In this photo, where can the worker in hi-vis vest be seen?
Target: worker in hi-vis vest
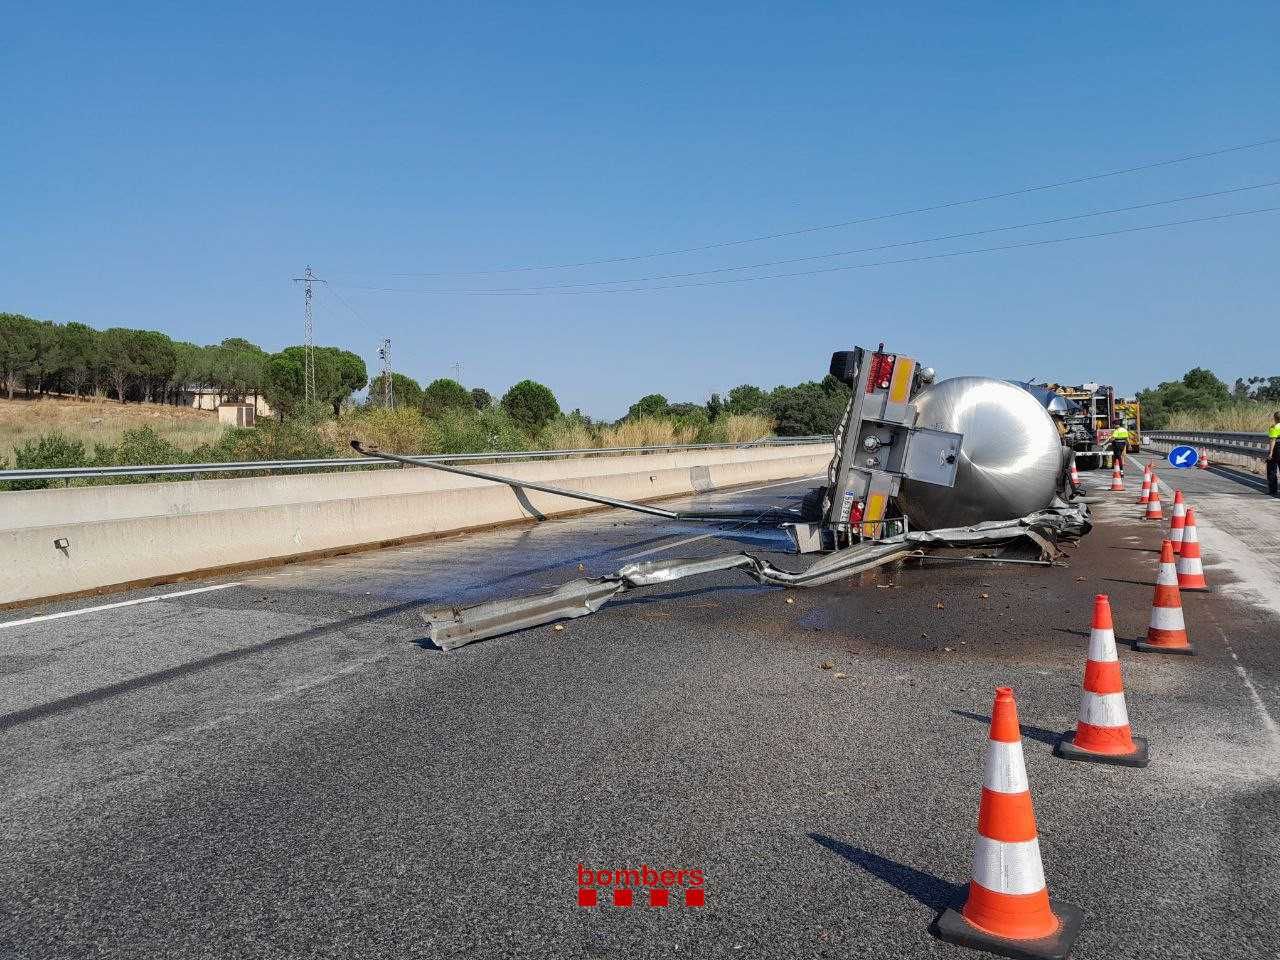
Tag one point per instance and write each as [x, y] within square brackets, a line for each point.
[1273, 456]
[1119, 444]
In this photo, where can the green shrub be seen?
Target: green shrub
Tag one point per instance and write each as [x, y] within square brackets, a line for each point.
[294, 440]
[139, 447]
[714, 431]
[144, 445]
[693, 418]
[479, 432]
[398, 430]
[49, 451]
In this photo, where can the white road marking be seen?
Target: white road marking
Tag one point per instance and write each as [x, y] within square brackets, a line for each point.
[1268, 721]
[770, 486]
[113, 606]
[669, 546]
[708, 536]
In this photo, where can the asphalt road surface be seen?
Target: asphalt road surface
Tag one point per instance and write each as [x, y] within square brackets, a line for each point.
[279, 765]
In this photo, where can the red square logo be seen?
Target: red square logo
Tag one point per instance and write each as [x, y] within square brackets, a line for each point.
[659, 898]
[622, 896]
[695, 897]
[586, 897]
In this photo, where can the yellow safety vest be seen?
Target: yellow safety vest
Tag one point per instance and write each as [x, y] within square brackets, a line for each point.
[1120, 433]
[1274, 432]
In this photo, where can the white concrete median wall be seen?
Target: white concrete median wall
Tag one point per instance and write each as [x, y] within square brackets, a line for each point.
[138, 533]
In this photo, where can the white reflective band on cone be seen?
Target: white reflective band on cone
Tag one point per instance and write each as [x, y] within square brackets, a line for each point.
[1104, 710]
[1168, 575]
[1190, 565]
[1167, 618]
[1102, 645]
[1004, 771]
[1175, 534]
[1008, 867]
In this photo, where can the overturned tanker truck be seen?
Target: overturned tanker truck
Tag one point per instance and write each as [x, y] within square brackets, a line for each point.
[918, 465]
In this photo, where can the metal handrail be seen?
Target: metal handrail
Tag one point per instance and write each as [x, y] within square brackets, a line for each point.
[1253, 445]
[170, 469]
[1207, 434]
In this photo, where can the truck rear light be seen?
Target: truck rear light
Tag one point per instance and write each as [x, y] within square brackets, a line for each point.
[881, 371]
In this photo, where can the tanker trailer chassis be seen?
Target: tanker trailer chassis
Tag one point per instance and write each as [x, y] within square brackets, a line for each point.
[877, 445]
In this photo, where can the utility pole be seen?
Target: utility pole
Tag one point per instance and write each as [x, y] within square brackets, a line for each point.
[309, 341]
[384, 354]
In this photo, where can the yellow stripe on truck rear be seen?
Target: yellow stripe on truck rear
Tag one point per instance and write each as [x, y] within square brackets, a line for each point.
[874, 513]
[900, 385]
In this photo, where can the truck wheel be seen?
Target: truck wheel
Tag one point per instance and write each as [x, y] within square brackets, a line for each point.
[811, 505]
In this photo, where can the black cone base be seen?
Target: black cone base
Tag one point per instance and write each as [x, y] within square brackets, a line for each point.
[1067, 750]
[1145, 647]
[954, 928]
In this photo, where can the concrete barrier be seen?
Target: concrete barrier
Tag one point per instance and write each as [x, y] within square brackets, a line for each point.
[85, 539]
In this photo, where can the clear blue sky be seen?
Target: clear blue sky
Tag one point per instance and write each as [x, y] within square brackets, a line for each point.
[173, 165]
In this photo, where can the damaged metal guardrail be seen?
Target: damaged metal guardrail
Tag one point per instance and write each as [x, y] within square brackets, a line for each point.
[565, 492]
[456, 627]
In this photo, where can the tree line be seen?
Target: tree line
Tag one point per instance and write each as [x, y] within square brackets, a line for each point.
[40, 357]
[807, 409]
[1200, 394]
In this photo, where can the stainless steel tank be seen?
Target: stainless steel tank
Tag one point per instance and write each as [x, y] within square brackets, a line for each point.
[1010, 457]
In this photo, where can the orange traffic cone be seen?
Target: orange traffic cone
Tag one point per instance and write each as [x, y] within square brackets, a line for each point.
[1168, 630]
[1146, 485]
[1008, 909]
[1075, 475]
[1203, 462]
[1117, 477]
[1154, 511]
[1177, 522]
[1103, 734]
[1190, 570]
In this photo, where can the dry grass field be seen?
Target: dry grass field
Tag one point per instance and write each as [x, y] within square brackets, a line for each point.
[1252, 417]
[101, 421]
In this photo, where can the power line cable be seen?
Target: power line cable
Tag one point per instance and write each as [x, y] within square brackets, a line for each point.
[846, 253]
[1021, 191]
[824, 270]
[342, 300]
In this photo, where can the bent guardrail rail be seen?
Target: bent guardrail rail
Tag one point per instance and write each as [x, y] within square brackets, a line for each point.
[344, 463]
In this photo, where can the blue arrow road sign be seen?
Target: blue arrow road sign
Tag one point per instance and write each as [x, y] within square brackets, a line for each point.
[1183, 457]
